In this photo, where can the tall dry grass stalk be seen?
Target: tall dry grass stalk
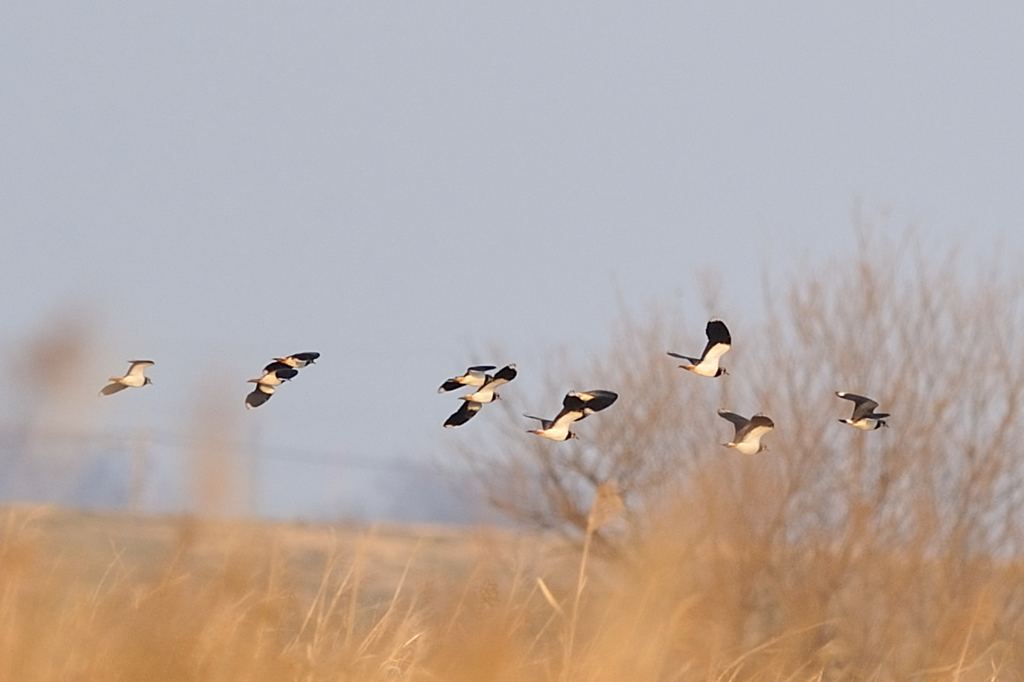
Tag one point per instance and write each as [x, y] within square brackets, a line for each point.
[219, 478]
[44, 409]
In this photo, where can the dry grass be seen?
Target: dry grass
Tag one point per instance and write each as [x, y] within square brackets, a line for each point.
[93, 597]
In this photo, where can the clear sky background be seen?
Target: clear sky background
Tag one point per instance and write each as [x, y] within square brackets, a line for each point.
[403, 185]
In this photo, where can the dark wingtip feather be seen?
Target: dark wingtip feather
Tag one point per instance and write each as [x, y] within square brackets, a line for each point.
[717, 332]
[508, 373]
[449, 385]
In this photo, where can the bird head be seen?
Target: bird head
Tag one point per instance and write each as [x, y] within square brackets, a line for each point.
[721, 371]
[572, 434]
[147, 381]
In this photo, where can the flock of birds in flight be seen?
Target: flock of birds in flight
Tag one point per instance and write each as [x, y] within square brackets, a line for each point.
[276, 373]
[576, 405]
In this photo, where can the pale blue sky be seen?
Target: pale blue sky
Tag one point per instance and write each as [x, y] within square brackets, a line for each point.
[400, 185]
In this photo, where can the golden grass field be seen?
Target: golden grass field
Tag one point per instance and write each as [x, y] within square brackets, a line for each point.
[91, 596]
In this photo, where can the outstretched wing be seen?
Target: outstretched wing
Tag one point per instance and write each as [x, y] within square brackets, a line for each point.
[257, 397]
[567, 416]
[138, 367]
[578, 405]
[479, 370]
[111, 389]
[274, 366]
[719, 340]
[592, 401]
[308, 356]
[474, 376]
[299, 360]
[450, 385]
[463, 414]
[502, 376]
[286, 373]
[737, 421]
[758, 425]
[862, 407]
[692, 361]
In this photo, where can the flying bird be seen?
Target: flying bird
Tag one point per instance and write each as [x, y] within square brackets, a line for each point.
[133, 378]
[299, 360]
[260, 394]
[463, 414]
[276, 373]
[748, 431]
[576, 405]
[474, 376]
[485, 393]
[719, 341]
[864, 416]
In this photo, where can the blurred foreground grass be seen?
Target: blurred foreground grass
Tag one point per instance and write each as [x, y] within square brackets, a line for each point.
[88, 596]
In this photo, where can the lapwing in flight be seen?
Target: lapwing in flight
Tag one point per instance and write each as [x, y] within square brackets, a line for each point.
[474, 376]
[275, 374]
[864, 416]
[485, 393]
[576, 405]
[135, 377]
[748, 431]
[299, 360]
[719, 341]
